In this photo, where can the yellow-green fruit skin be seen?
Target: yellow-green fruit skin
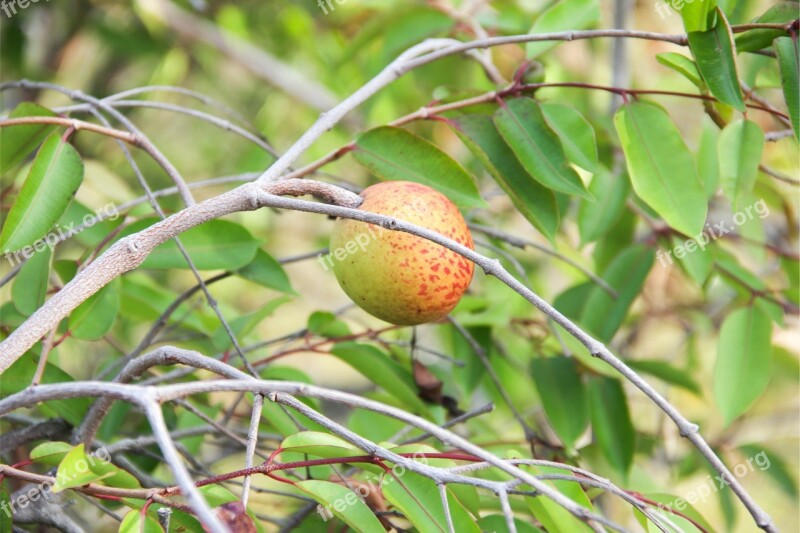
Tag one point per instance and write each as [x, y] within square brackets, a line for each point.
[395, 276]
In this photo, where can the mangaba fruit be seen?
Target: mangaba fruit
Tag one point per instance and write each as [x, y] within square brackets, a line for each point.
[395, 276]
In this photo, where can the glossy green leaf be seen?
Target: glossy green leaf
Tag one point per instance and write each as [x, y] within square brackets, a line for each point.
[715, 55]
[744, 353]
[214, 245]
[75, 470]
[418, 498]
[93, 318]
[576, 134]
[325, 324]
[611, 422]
[16, 142]
[50, 453]
[30, 285]
[319, 444]
[111, 474]
[343, 503]
[382, 371]
[741, 144]
[53, 179]
[395, 154]
[135, 522]
[603, 314]
[563, 396]
[562, 16]
[522, 125]
[697, 15]
[266, 271]
[761, 38]
[683, 65]
[707, 157]
[666, 372]
[661, 167]
[788, 55]
[595, 219]
[536, 202]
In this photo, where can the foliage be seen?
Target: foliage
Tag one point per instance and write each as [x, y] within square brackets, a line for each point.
[658, 212]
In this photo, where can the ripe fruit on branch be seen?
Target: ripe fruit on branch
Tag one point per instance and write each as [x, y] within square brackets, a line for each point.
[395, 276]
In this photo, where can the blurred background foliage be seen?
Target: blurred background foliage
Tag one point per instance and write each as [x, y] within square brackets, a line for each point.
[103, 47]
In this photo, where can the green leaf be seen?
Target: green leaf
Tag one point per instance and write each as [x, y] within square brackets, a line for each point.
[6, 517]
[715, 53]
[692, 256]
[74, 470]
[697, 15]
[243, 325]
[93, 318]
[595, 219]
[603, 314]
[788, 55]
[576, 134]
[30, 285]
[325, 324]
[16, 142]
[667, 372]
[551, 515]
[497, 522]
[611, 422]
[661, 167]
[266, 271]
[395, 154]
[563, 396]
[50, 453]
[214, 245]
[685, 508]
[683, 65]
[343, 503]
[53, 179]
[382, 371]
[744, 353]
[134, 522]
[707, 158]
[741, 144]
[418, 498]
[562, 16]
[319, 444]
[758, 39]
[522, 125]
[770, 462]
[536, 202]
[216, 495]
[19, 376]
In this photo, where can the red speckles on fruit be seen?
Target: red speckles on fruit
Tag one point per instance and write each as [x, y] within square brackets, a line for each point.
[399, 277]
